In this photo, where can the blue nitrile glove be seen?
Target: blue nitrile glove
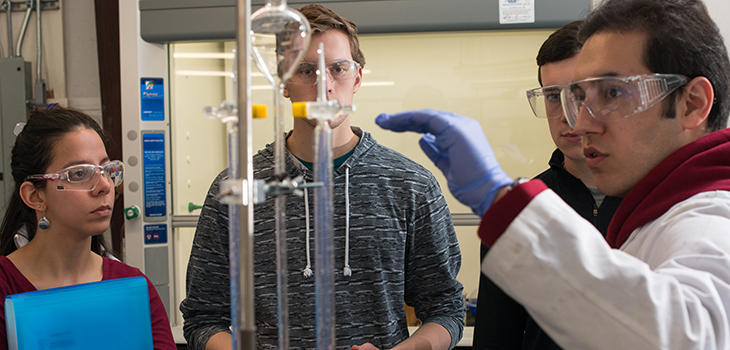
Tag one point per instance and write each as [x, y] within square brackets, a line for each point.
[457, 145]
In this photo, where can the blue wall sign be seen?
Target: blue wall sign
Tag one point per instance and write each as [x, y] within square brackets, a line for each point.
[155, 234]
[153, 151]
[152, 99]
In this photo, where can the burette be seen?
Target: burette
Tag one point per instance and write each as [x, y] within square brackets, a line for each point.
[277, 37]
[279, 40]
[323, 111]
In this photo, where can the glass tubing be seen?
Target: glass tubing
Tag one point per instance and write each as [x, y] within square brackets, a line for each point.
[280, 36]
[276, 19]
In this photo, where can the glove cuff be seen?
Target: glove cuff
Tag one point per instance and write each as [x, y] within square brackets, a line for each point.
[495, 184]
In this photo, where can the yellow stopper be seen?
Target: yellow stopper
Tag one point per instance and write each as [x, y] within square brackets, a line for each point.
[258, 111]
[299, 109]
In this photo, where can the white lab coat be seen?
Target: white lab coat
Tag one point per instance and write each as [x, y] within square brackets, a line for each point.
[667, 287]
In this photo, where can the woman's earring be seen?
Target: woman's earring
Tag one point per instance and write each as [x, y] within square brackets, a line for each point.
[44, 223]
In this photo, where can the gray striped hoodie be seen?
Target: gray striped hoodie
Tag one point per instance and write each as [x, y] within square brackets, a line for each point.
[402, 247]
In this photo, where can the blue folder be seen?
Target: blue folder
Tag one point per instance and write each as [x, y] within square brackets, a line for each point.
[111, 314]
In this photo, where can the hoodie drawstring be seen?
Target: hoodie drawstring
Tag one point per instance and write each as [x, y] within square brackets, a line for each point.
[346, 271]
[308, 269]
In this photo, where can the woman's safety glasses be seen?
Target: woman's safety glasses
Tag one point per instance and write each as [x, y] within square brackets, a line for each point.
[339, 71]
[610, 98]
[83, 177]
[545, 101]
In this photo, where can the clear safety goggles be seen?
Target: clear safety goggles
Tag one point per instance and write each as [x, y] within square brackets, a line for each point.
[339, 71]
[545, 101]
[610, 98]
[83, 177]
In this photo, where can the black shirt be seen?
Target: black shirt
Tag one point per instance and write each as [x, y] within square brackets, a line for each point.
[502, 323]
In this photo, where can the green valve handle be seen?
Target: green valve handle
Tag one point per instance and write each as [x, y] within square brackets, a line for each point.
[131, 212]
[192, 207]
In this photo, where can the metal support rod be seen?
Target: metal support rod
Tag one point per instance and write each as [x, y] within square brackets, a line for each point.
[38, 43]
[23, 28]
[40, 84]
[234, 237]
[10, 28]
[245, 335]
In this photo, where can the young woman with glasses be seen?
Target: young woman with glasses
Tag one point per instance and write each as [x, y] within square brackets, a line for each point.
[51, 235]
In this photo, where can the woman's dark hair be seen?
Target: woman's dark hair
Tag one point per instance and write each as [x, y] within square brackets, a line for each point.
[32, 154]
[681, 39]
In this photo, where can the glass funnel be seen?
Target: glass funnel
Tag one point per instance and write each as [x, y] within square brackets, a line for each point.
[279, 40]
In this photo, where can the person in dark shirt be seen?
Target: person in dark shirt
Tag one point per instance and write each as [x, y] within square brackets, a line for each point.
[502, 323]
[649, 98]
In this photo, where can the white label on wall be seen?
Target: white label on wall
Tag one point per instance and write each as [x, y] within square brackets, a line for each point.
[516, 11]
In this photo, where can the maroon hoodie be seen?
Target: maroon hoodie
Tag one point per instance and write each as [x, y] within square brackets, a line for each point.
[701, 166]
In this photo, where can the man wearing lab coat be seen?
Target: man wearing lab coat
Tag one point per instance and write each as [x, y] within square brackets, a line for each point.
[650, 100]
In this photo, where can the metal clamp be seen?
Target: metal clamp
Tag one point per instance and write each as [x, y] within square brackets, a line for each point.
[289, 186]
[234, 191]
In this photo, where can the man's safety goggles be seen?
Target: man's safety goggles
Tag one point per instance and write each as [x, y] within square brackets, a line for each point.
[610, 98]
[339, 71]
[545, 101]
[83, 177]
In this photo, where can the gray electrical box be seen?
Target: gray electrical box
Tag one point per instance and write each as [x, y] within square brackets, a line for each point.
[15, 90]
